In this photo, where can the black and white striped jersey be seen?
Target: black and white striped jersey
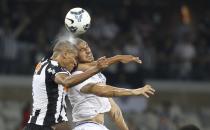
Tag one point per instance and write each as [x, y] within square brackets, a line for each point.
[49, 106]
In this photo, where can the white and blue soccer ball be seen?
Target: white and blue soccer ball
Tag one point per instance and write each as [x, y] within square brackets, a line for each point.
[77, 21]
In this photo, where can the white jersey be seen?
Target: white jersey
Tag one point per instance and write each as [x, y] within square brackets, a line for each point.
[90, 126]
[49, 105]
[87, 106]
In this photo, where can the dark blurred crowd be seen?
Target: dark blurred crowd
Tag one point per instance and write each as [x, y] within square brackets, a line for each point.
[163, 116]
[171, 37]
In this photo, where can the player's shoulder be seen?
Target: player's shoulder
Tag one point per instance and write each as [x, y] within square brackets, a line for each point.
[53, 66]
[53, 63]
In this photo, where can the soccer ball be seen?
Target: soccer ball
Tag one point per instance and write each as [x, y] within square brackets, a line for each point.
[77, 21]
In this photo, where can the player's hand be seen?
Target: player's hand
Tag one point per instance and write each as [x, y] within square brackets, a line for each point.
[102, 63]
[129, 58]
[147, 90]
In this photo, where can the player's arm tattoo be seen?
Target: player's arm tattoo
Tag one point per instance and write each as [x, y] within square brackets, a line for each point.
[117, 114]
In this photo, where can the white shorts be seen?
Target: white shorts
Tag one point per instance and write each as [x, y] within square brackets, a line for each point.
[90, 126]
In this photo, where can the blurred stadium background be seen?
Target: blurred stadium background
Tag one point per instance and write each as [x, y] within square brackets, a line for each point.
[172, 37]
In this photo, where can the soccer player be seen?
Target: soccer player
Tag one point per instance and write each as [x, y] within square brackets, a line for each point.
[89, 99]
[47, 87]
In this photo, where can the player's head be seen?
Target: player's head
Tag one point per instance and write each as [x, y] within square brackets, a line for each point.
[189, 127]
[66, 54]
[85, 54]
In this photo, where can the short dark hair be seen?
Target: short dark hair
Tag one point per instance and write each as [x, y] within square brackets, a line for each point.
[61, 46]
[189, 127]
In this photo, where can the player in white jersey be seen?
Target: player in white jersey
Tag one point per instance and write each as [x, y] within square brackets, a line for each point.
[89, 98]
[47, 87]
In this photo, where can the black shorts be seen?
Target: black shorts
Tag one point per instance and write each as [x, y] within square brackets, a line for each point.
[31, 126]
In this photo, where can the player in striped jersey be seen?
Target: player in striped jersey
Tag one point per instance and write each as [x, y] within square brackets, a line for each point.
[49, 107]
[89, 98]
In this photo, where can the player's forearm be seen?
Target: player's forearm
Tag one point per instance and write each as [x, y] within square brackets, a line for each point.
[114, 59]
[119, 121]
[76, 79]
[116, 115]
[109, 91]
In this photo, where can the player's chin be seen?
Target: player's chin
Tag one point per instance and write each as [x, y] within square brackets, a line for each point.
[89, 59]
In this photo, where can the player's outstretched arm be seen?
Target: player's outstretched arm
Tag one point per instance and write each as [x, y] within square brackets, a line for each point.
[123, 59]
[116, 115]
[112, 60]
[73, 80]
[111, 91]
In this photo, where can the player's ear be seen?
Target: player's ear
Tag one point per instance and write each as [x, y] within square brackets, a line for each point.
[65, 55]
[62, 55]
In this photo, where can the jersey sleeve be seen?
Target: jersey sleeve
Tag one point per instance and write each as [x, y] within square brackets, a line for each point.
[78, 87]
[53, 70]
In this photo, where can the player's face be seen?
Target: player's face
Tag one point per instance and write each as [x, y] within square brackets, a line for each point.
[69, 60]
[85, 54]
